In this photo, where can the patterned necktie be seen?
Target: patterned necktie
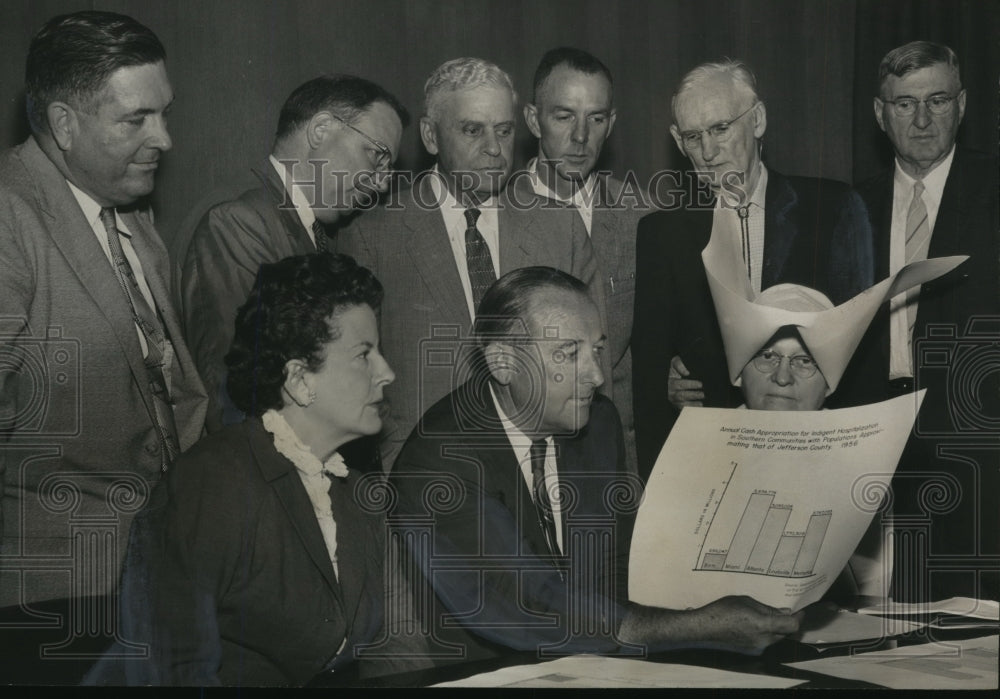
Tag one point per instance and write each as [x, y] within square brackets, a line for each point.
[478, 258]
[543, 505]
[159, 351]
[320, 237]
[918, 238]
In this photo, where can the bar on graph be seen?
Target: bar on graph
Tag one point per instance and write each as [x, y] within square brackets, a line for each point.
[811, 543]
[713, 561]
[748, 530]
[770, 536]
[784, 557]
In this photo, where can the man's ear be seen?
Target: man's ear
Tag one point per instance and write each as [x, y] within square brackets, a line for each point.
[297, 383]
[428, 134]
[961, 105]
[676, 133]
[760, 120]
[612, 117]
[531, 119]
[319, 128]
[500, 361]
[879, 106]
[62, 120]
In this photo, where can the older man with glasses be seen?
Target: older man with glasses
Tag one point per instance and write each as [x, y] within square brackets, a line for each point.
[939, 199]
[337, 138]
[799, 230]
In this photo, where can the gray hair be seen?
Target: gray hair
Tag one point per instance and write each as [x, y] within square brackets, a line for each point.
[738, 71]
[914, 56]
[462, 74]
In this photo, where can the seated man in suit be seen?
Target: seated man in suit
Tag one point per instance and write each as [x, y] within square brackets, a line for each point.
[524, 464]
[337, 138]
[439, 245]
[799, 230]
[98, 393]
[938, 199]
[572, 114]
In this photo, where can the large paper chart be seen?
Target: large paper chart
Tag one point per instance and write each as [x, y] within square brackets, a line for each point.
[769, 504]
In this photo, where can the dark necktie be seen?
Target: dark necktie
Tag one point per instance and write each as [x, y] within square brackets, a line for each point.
[543, 505]
[319, 235]
[477, 256]
[157, 344]
[744, 214]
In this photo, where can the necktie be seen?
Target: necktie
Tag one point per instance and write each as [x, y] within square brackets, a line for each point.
[744, 214]
[319, 235]
[158, 347]
[543, 505]
[478, 258]
[918, 238]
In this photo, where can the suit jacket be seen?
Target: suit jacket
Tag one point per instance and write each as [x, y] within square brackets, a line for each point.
[230, 562]
[816, 233]
[230, 243]
[460, 449]
[957, 318]
[425, 323]
[616, 215]
[77, 421]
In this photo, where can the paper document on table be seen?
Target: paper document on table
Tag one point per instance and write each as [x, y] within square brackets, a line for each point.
[962, 606]
[821, 627]
[967, 664]
[769, 504]
[592, 671]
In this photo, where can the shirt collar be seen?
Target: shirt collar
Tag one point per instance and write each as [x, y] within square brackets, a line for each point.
[580, 198]
[934, 180]
[444, 198]
[92, 210]
[299, 199]
[757, 197]
[518, 439]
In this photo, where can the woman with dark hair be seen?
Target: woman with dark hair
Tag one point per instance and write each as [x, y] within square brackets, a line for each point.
[269, 551]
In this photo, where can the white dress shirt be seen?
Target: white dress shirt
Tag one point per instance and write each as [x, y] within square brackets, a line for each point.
[727, 221]
[521, 444]
[454, 222]
[900, 342]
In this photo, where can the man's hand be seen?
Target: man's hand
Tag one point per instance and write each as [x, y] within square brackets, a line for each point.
[739, 624]
[682, 390]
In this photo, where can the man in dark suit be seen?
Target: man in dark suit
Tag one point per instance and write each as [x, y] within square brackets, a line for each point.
[807, 231]
[515, 505]
[938, 200]
[98, 392]
[337, 137]
[572, 114]
[438, 245]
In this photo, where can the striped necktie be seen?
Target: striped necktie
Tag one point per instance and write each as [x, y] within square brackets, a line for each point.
[478, 258]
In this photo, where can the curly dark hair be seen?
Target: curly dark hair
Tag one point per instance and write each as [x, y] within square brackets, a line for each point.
[291, 313]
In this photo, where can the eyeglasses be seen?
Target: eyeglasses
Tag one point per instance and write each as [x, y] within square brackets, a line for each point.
[720, 132]
[907, 106]
[383, 154]
[768, 361]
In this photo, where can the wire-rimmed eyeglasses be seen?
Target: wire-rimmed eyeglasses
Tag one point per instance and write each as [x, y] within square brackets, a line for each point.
[767, 362]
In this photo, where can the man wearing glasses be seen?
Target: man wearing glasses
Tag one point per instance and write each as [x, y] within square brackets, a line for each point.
[797, 230]
[939, 200]
[337, 138]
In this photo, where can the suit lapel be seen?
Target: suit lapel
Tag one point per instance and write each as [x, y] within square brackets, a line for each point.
[72, 234]
[284, 479]
[779, 233]
[519, 239]
[298, 236]
[352, 540]
[428, 246]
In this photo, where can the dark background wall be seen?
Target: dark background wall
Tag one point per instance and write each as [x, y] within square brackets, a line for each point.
[232, 62]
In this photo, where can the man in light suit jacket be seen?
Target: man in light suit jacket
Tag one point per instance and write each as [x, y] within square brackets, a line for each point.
[438, 245]
[337, 137]
[934, 337]
[97, 389]
[807, 231]
[572, 113]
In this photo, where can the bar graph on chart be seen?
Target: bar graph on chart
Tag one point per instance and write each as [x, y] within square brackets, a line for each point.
[761, 542]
